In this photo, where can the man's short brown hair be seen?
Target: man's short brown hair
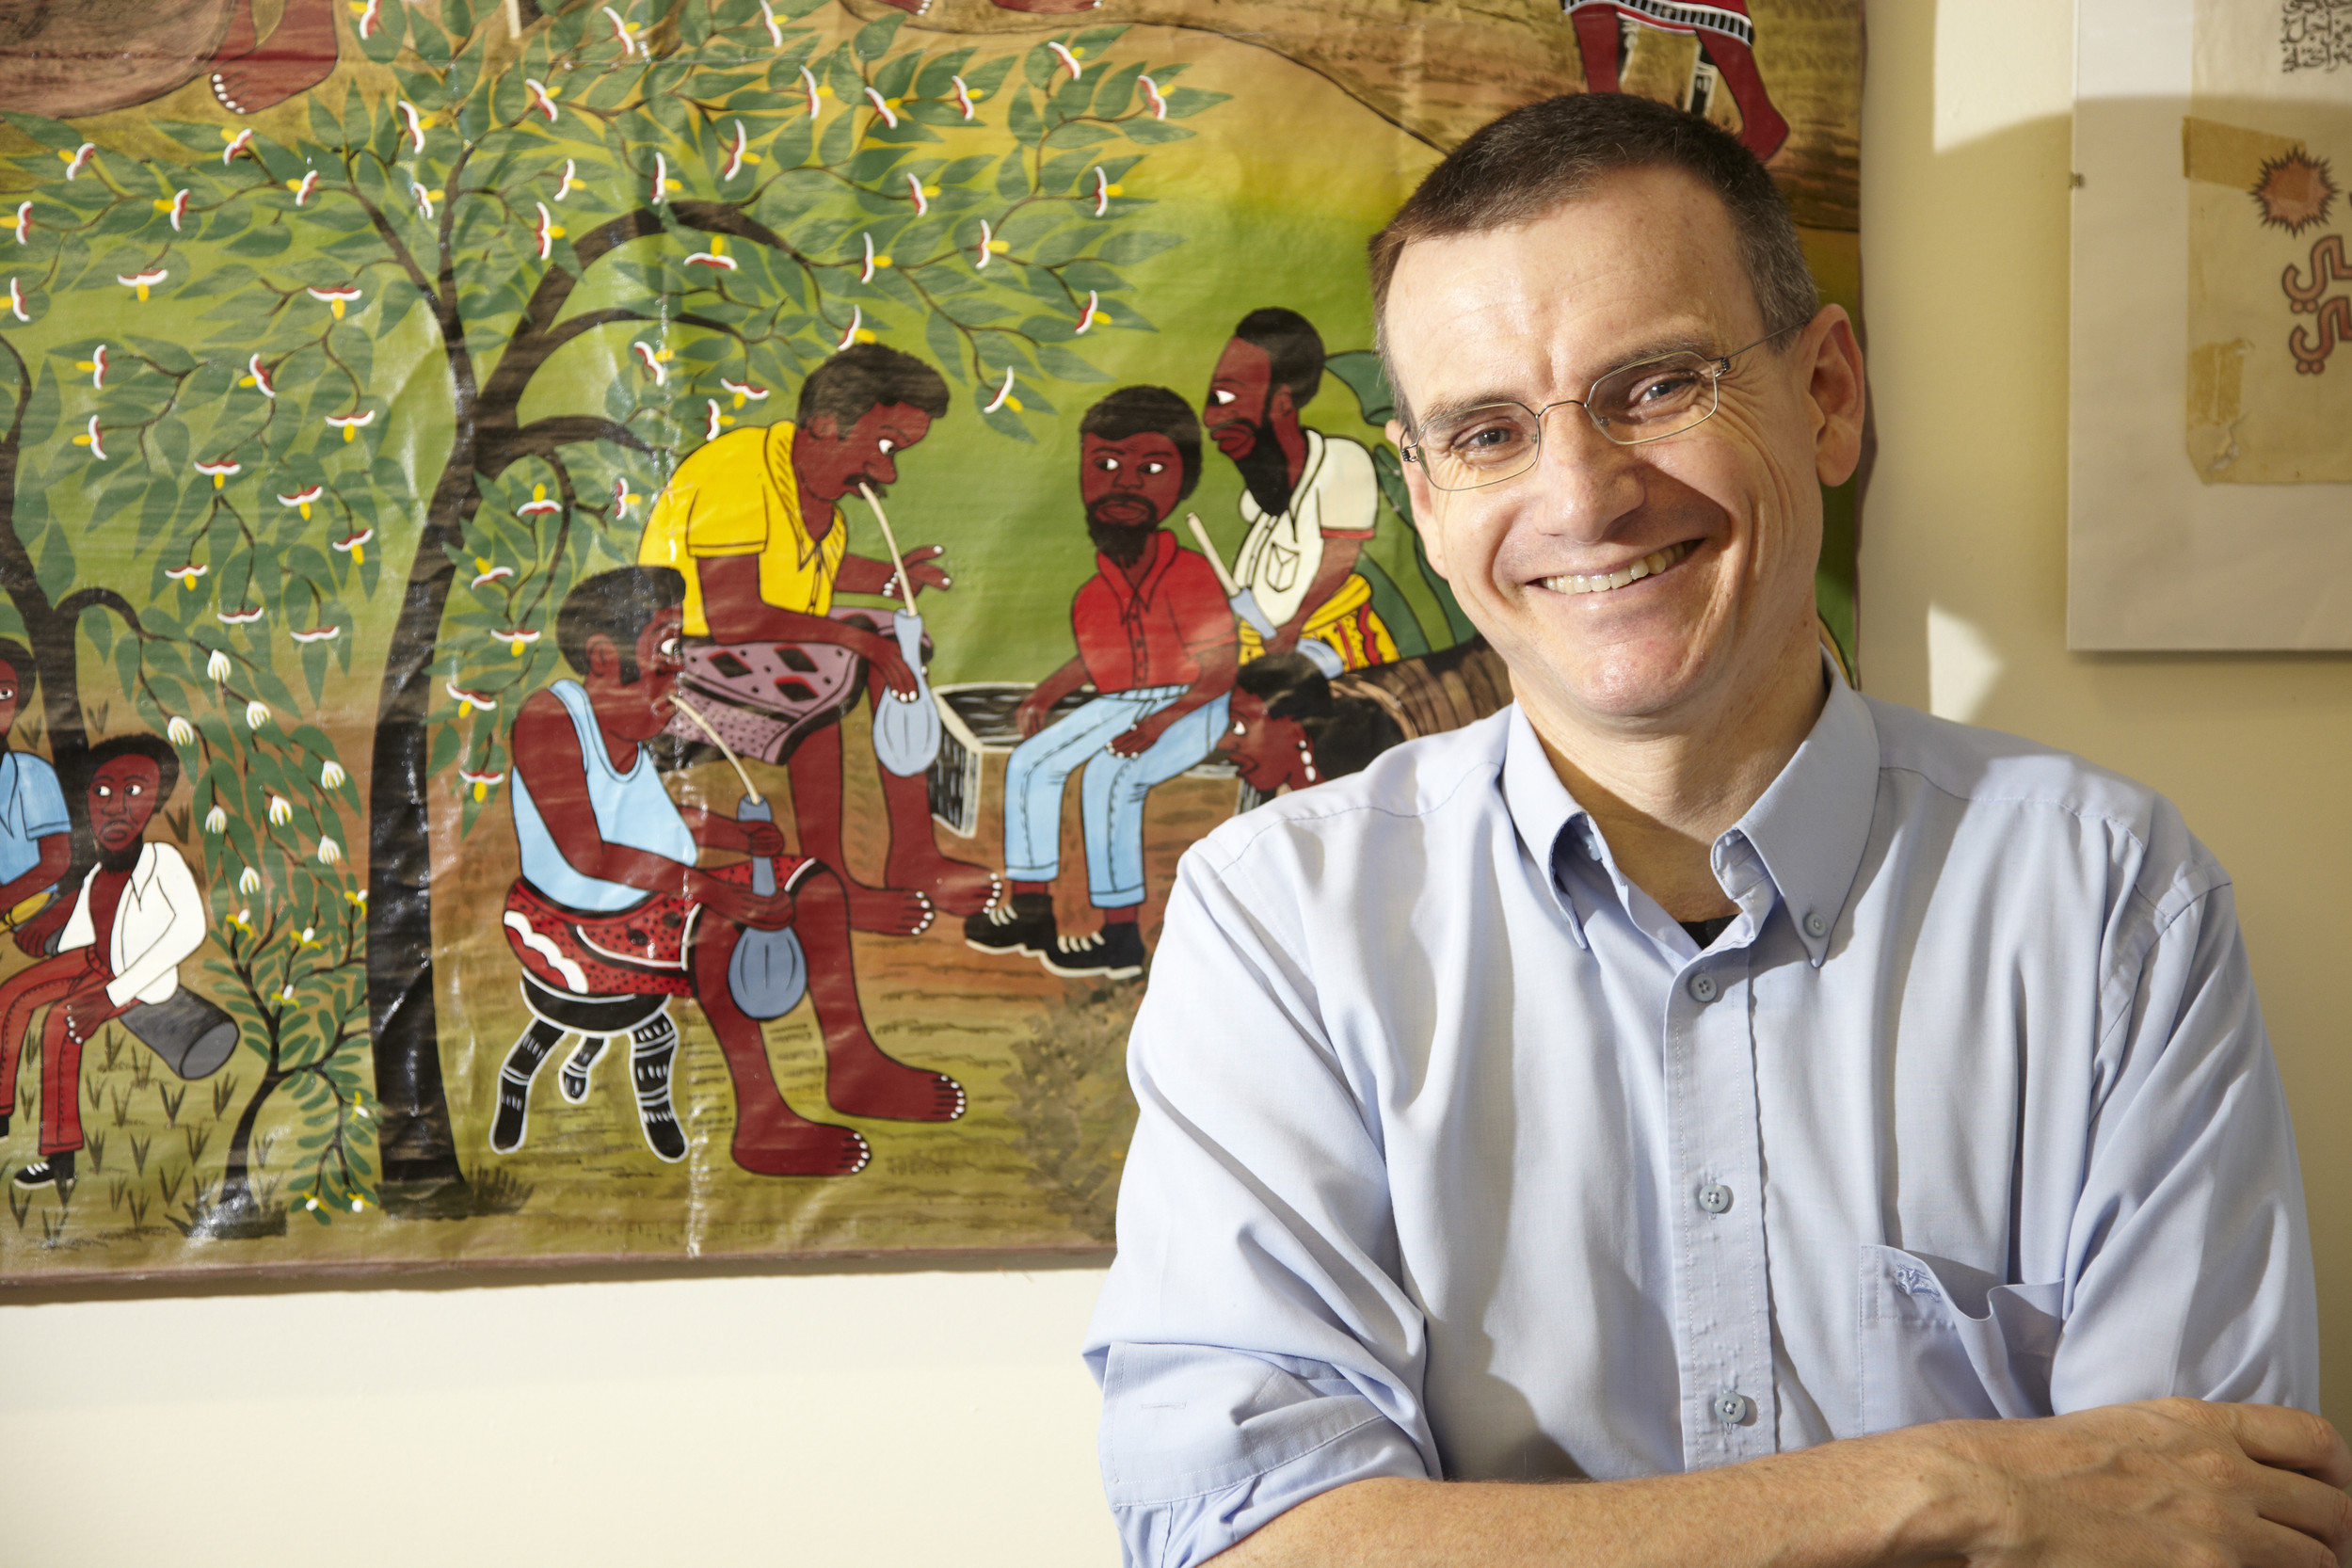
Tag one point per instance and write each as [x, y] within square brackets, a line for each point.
[1517, 169]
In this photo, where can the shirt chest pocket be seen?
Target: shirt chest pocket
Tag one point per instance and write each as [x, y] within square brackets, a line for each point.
[1927, 1356]
[1282, 568]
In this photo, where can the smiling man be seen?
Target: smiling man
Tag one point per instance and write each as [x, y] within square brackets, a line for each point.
[1838, 1136]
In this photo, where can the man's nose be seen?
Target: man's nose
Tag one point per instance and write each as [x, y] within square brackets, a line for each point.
[890, 469]
[1587, 481]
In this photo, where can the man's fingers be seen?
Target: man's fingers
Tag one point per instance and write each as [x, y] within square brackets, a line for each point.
[2288, 1439]
[2312, 1509]
[2273, 1546]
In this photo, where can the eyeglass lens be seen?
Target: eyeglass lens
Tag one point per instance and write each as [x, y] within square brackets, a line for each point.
[1641, 403]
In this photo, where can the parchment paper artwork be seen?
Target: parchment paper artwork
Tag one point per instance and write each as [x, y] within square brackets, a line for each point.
[2267, 150]
[613, 613]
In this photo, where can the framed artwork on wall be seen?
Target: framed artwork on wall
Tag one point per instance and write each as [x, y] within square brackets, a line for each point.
[2211, 468]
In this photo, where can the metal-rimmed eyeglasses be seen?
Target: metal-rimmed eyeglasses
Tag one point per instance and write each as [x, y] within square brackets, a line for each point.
[1647, 401]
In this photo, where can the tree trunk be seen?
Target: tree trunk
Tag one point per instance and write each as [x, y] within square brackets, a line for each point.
[422, 1176]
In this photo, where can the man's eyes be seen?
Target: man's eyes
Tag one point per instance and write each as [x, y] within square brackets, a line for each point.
[1108, 465]
[887, 444]
[1220, 396]
[1155, 468]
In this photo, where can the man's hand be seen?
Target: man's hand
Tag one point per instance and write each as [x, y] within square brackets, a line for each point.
[734, 902]
[85, 1010]
[926, 570]
[1140, 739]
[33, 936]
[2160, 1482]
[892, 667]
[764, 840]
[1030, 717]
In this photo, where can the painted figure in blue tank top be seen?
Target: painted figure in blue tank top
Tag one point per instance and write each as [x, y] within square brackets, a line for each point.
[36, 832]
[612, 901]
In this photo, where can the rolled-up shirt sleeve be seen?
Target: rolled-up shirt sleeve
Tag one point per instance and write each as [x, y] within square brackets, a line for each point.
[1254, 1342]
[2190, 1266]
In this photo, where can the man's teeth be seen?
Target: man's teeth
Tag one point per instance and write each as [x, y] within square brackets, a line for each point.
[1649, 565]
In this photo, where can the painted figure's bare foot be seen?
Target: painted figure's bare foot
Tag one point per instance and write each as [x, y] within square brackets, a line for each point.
[778, 1143]
[298, 56]
[958, 888]
[912, 7]
[890, 911]
[1048, 7]
[861, 1080]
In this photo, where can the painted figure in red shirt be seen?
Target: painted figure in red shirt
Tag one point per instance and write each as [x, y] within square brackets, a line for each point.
[1156, 639]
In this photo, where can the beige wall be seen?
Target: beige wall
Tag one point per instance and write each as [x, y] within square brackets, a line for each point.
[922, 1417]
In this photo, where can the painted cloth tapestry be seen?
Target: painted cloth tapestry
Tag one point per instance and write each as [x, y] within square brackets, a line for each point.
[616, 615]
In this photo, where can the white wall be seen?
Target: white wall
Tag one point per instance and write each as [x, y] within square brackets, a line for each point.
[917, 1417]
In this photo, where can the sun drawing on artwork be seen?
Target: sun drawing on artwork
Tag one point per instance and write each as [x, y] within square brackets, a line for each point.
[2294, 191]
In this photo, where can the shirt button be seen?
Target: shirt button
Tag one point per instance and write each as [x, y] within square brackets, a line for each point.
[1715, 1197]
[1702, 988]
[1816, 926]
[1735, 1410]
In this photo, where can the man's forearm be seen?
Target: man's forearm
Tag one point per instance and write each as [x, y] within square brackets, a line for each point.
[1842, 1506]
[2157, 1482]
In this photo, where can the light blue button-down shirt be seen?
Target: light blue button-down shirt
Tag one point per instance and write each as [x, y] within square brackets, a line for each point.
[1458, 1159]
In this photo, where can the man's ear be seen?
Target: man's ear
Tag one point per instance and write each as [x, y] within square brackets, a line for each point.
[1834, 390]
[825, 427]
[1282, 403]
[603, 656]
[1416, 488]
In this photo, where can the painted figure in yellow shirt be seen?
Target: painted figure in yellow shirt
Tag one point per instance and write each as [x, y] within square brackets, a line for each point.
[752, 521]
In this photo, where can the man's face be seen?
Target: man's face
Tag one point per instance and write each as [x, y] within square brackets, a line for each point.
[638, 709]
[11, 695]
[1262, 750]
[123, 794]
[1134, 482]
[836, 462]
[1241, 398]
[1645, 264]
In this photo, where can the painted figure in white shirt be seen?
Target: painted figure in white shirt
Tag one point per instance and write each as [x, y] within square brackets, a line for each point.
[1312, 500]
[138, 915]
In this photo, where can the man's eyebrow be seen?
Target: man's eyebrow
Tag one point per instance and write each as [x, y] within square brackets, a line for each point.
[1641, 353]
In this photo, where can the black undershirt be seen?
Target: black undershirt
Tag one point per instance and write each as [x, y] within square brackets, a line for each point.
[1705, 931]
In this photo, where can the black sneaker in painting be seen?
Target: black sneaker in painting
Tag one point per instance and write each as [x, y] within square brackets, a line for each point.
[1021, 923]
[1114, 952]
[55, 1171]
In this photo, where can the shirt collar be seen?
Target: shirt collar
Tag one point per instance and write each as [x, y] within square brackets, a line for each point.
[1542, 812]
[1810, 826]
[1807, 828]
[1126, 594]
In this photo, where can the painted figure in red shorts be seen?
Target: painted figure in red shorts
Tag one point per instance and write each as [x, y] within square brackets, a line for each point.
[138, 915]
[612, 901]
[1723, 30]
